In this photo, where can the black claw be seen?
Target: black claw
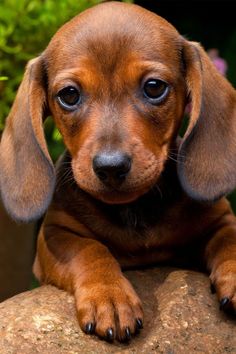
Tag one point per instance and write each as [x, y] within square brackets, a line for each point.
[213, 290]
[223, 302]
[89, 328]
[127, 334]
[139, 323]
[110, 335]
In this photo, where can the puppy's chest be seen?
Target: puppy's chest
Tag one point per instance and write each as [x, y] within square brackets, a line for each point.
[137, 237]
[135, 227]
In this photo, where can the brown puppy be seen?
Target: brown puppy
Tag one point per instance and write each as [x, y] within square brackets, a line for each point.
[116, 79]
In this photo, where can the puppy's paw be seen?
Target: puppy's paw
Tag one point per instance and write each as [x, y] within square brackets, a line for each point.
[223, 280]
[110, 310]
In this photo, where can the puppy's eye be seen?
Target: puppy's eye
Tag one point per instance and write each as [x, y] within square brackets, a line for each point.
[69, 97]
[155, 90]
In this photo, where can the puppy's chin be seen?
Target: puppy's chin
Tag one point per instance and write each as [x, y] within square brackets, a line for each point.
[116, 197]
[113, 196]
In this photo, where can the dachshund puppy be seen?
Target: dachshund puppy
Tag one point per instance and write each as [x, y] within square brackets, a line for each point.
[128, 192]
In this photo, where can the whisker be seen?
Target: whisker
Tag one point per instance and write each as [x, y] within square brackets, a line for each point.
[62, 179]
[160, 192]
[172, 158]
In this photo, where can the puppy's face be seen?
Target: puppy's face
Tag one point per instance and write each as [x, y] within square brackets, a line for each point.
[116, 92]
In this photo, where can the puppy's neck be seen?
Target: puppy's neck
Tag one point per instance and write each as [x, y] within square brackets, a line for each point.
[139, 214]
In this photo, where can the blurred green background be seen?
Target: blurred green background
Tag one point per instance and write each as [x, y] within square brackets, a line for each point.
[26, 27]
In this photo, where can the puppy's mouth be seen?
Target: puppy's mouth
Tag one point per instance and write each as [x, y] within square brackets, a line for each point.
[110, 195]
[122, 195]
[117, 179]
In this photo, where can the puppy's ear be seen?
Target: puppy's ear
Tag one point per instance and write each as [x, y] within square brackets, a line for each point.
[26, 170]
[207, 155]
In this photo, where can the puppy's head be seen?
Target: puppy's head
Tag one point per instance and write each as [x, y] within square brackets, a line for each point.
[117, 94]
[116, 80]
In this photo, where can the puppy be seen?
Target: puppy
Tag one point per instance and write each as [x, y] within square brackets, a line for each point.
[116, 80]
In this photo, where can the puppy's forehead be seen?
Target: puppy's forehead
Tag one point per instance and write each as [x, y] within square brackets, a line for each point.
[110, 32]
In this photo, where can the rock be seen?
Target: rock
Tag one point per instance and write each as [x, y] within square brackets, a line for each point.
[181, 316]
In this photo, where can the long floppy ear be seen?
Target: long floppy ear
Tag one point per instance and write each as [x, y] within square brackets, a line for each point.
[27, 175]
[207, 155]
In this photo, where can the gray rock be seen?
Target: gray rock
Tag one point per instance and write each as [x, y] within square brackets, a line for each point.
[181, 316]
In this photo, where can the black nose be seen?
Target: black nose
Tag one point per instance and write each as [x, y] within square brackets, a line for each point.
[112, 167]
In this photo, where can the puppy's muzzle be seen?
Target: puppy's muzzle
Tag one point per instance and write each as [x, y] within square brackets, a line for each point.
[112, 168]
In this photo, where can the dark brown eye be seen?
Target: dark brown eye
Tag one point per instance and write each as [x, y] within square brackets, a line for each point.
[69, 97]
[155, 90]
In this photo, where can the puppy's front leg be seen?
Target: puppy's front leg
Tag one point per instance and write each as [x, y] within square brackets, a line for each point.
[106, 302]
[221, 261]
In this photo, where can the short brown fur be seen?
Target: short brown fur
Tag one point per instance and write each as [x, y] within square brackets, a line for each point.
[170, 208]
